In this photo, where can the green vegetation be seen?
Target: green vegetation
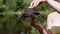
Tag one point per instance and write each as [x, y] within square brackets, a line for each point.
[9, 11]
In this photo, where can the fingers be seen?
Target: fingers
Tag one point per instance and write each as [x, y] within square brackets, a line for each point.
[31, 5]
[35, 3]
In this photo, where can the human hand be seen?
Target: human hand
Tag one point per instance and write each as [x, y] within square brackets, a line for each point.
[34, 3]
[59, 0]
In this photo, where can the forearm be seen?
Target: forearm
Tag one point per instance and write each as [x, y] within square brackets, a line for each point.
[54, 4]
